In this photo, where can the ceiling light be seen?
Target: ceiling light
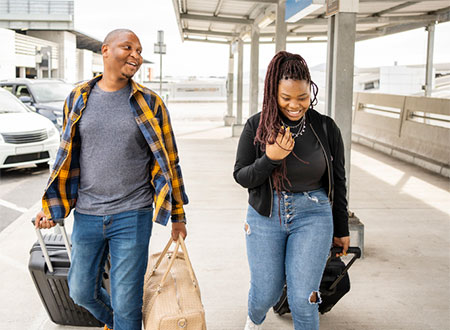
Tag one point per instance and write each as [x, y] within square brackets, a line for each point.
[266, 20]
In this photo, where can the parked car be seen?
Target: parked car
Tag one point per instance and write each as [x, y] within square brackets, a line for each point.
[25, 137]
[45, 96]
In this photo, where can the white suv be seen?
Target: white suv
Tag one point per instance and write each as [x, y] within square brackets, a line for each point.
[25, 137]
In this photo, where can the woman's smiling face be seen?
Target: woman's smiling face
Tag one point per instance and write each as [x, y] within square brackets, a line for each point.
[294, 98]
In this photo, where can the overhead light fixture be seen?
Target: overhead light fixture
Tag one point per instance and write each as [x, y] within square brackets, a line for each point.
[266, 20]
[297, 9]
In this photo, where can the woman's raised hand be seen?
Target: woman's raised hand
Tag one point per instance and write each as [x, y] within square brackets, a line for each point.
[282, 146]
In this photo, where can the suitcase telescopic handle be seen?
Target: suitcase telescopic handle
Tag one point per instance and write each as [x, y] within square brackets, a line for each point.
[60, 224]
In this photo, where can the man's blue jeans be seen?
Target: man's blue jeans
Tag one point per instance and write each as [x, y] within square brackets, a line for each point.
[125, 236]
[293, 252]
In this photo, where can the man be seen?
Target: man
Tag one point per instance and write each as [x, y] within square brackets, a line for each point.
[117, 158]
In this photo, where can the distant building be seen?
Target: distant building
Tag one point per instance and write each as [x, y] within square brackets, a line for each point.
[39, 41]
[403, 80]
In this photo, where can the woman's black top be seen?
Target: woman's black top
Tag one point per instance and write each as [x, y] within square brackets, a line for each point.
[253, 168]
[304, 174]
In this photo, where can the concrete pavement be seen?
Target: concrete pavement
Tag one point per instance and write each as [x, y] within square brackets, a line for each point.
[403, 282]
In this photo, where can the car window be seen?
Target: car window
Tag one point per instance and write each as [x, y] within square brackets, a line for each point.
[51, 91]
[22, 90]
[9, 88]
[10, 104]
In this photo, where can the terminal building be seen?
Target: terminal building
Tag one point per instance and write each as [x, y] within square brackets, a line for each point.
[39, 41]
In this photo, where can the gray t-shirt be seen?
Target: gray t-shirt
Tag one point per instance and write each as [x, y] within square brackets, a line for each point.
[115, 157]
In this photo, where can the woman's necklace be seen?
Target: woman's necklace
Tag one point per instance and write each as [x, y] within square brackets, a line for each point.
[301, 130]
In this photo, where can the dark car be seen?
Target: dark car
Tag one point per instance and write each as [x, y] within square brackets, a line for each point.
[45, 96]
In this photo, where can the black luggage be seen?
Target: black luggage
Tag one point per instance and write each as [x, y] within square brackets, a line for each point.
[334, 285]
[49, 266]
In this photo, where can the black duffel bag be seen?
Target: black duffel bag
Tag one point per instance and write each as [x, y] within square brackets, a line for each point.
[334, 285]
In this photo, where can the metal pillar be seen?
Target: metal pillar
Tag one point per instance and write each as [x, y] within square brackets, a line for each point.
[329, 70]
[160, 74]
[429, 67]
[237, 128]
[254, 71]
[343, 50]
[240, 81]
[281, 27]
[50, 64]
[229, 119]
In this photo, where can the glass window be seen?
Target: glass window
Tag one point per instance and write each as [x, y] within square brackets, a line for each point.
[51, 91]
[9, 103]
[9, 88]
[22, 90]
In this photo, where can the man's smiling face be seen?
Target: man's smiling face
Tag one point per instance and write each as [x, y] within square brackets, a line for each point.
[122, 56]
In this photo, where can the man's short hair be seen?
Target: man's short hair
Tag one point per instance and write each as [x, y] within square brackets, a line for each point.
[114, 33]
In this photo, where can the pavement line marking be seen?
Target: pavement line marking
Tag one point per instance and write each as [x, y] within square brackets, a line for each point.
[12, 206]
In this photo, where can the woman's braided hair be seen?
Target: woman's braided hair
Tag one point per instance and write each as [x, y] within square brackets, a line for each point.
[286, 66]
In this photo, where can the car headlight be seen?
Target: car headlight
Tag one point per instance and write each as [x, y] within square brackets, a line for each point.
[51, 131]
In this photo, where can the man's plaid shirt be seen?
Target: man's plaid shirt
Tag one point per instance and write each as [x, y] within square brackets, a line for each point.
[153, 120]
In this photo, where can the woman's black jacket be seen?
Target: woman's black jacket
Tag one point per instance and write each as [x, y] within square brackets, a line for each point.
[253, 168]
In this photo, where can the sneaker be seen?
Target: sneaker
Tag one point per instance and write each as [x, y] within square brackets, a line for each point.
[249, 325]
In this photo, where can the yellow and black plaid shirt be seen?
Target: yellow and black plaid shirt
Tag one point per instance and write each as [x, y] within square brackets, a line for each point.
[153, 120]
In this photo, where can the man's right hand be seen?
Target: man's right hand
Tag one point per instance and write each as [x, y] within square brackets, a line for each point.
[42, 222]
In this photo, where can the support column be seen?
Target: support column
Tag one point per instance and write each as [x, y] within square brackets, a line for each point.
[430, 54]
[254, 71]
[342, 78]
[229, 119]
[22, 72]
[341, 53]
[237, 128]
[281, 27]
[329, 70]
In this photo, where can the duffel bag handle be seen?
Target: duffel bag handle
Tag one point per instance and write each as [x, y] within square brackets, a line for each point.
[179, 242]
[356, 251]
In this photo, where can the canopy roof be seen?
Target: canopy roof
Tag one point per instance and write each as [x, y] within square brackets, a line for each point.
[221, 21]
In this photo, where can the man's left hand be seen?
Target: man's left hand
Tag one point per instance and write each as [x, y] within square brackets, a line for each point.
[344, 243]
[177, 229]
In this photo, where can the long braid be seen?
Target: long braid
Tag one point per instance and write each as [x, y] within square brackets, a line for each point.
[284, 65]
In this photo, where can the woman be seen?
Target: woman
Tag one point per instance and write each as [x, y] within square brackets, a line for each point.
[291, 159]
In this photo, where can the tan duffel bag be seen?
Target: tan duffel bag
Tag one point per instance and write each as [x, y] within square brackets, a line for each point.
[171, 294]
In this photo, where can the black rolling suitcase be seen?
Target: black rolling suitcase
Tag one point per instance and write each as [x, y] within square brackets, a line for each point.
[334, 285]
[49, 266]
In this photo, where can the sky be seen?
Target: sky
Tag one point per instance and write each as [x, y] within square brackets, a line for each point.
[146, 17]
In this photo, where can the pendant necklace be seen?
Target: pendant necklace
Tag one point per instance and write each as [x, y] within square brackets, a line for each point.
[301, 130]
